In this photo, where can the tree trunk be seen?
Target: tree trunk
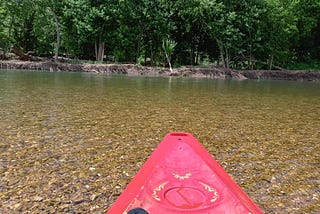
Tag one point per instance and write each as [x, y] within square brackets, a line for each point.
[151, 54]
[8, 45]
[197, 56]
[22, 56]
[222, 55]
[168, 59]
[136, 56]
[271, 62]
[250, 58]
[222, 58]
[100, 46]
[227, 58]
[166, 48]
[100, 51]
[57, 45]
[192, 55]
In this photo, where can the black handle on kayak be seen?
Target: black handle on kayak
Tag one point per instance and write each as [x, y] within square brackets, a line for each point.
[137, 211]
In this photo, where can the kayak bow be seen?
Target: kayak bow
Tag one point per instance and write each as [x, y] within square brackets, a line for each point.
[182, 177]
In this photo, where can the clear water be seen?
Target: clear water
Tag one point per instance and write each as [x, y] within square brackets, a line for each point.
[70, 142]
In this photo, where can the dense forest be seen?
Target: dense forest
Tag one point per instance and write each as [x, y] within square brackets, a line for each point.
[245, 34]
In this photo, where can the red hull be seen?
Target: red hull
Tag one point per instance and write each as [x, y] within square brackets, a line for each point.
[182, 177]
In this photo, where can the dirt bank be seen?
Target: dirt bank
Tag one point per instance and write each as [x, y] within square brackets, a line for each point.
[136, 70]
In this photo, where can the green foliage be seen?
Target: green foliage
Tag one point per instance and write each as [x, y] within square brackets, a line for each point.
[3, 26]
[168, 46]
[282, 32]
[307, 65]
[308, 25]
[244, 34]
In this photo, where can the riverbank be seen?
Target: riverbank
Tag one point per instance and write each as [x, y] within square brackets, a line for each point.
[137, 70]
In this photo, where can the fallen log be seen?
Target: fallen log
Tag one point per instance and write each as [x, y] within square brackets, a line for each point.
[23, 56]
[3, 57]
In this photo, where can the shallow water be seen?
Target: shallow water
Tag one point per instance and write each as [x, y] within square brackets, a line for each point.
[70, 142]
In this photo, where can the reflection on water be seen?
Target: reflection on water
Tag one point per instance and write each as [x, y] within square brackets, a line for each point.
[70, 142]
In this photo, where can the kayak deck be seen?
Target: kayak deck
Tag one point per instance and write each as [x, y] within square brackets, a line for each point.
[182, 177]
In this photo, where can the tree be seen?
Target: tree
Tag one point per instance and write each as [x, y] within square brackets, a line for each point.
[237, 33]
[281, 32]
[225, 32]
[18, 23]
[251, 18]
[55, 9]
[192, 18]
[156, 27]
[308, 24]
[127, 43]
[4, 28]
[102, 17]
[94, 22]
[168, 48]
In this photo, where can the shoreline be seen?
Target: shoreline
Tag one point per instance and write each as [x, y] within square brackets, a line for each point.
[187, 71]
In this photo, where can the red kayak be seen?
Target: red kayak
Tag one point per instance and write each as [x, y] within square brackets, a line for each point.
[182, 177]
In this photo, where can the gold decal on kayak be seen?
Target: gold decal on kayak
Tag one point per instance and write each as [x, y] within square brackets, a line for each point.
[158, 189]
[215, 194]
[182, 177]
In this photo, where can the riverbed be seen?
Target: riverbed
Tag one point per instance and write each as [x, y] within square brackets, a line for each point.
[71, 142]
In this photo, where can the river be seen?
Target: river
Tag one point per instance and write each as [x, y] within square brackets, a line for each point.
[70, 142]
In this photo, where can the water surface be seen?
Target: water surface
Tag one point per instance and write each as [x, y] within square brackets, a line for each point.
[70, 142]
